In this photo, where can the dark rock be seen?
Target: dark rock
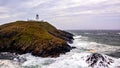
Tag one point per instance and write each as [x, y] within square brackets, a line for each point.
[96, 59]
[63, 35]
[73, 47]
[54, 52]
[11, 56]
[67, 36]
[6, 55]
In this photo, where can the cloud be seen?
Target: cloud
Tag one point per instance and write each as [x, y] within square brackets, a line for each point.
[64, 4]
[3, 16]
[78, 7]
[33, 3]
[56, 10]
[65, 7]
[3, 9]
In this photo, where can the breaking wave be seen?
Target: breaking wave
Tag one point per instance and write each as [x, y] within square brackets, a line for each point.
[86, 55]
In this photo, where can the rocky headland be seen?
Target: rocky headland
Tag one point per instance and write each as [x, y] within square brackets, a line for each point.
[36, 37]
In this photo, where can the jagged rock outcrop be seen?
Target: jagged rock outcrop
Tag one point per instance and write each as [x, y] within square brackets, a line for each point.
[97, 60]
[36, 37]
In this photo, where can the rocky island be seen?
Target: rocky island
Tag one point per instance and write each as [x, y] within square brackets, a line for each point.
[36, 37]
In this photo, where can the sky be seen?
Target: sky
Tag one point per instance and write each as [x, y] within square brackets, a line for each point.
[65, 14]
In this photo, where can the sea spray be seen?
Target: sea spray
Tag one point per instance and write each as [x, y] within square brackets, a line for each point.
[87, 54]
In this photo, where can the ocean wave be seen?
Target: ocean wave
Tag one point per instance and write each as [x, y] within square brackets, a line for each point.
[81, 43]
[72, 60]
[78, 58]
[69, 60]
[87, 54]
[118, 33]
[9, 64]
[96, 33]
[102, 34]
[77, 37]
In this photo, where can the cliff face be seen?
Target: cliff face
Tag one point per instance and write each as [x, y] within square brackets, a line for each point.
[36, 37]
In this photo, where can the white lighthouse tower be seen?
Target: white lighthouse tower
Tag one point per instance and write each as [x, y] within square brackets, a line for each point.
[37, 17]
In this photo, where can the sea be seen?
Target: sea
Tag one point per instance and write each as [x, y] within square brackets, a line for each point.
[92, 49]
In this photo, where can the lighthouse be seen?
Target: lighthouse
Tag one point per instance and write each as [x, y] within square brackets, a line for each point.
[37, 17]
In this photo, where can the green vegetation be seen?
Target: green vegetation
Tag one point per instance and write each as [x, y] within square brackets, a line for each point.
[38, 37]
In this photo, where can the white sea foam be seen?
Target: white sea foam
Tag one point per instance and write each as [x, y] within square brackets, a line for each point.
[9, 64]
[101, 33]
[70, 60]
[93, 46]
[76, 58]
[119, 33]
[77, 37]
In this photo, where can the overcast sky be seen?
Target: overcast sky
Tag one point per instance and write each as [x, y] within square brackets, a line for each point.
[64, 14]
